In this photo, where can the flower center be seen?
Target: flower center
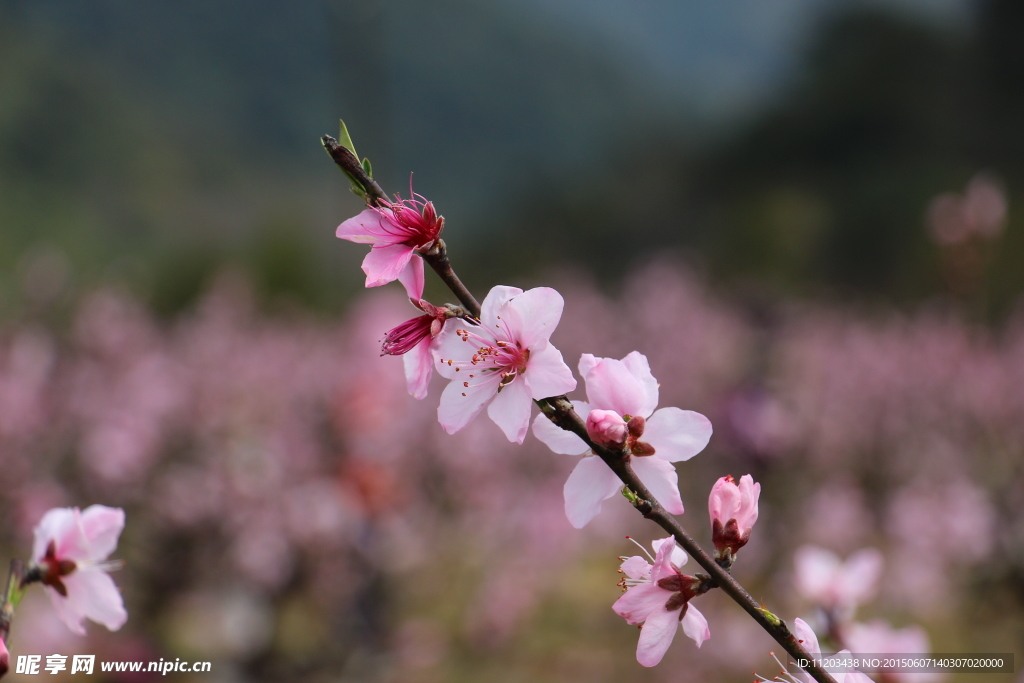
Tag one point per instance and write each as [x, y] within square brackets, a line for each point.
[495, 360]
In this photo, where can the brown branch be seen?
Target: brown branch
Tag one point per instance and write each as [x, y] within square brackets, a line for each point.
[559, 410]
[349, 164]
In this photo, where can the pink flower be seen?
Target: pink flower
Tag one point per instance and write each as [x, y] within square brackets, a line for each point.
[627, 389]
[733, 511]
[69, 552]
[822, 578]
[659, 597]
[394, 232]
[878, 637]
[5, 658]
[413, 339]
[505, 361]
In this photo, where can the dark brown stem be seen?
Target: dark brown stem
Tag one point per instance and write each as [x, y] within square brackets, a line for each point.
[437, 258]
[349, 163]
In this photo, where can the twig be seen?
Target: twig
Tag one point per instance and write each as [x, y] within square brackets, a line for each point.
[559, 410]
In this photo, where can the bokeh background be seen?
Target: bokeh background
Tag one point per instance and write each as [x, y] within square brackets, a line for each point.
[804, 212]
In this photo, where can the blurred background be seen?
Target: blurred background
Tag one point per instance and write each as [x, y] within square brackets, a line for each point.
[804, 212]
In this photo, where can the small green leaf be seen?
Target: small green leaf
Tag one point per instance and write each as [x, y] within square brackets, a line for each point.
[344, 139]
[629, 495]
[367, 167]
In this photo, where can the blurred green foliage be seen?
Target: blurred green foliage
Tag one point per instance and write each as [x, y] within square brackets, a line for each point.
[156, 144]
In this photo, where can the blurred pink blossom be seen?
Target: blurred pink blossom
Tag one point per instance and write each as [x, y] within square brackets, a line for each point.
[833, 584]
[70, 550]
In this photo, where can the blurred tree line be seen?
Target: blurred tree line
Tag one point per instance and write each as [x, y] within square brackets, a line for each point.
[154, 144]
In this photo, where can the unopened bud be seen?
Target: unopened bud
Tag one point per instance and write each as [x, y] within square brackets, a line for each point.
[606, 428]
[733, 511]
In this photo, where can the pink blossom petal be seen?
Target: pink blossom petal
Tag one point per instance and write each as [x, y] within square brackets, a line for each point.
[449, 346]
[412, 278]
[510, 410]
[590, 484]
[611, 386]
[815, 572]
[678, 557]
[547, 374]
[93, 595]
[364, 228]
[59, 525]
[663, 560]
[68, 612]
[495, 299]
[587, 363]
[384, 264]
[533, 315]
[657, 634]
[661, 478]
[677, 434]
[637, 603]
[560, 440]
[860, 575]
[746, 515]
[805, 636]
[637, 364]
[102, 525]
[459, 404]
[724, 500]
[695, 626]
[419, 367]
[636, 567]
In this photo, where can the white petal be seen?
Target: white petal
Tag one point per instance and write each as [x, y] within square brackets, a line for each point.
[510, 410]
[679, 556]
[449, 346]
[656, 636]
[534, 315]
[611, 386]
[641, 369]
[547, 374]
[677, 434]
[660, 477]
[636, 567]
[587, 363]
[695, 626]
[57, 525]
[590, 484]
[102, 526]
[92, 593]
[495, 299]
[561, 440]
[419, 367]
[460, 404]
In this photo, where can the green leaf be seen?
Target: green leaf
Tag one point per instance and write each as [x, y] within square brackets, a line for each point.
[344, 139]
[367, 167]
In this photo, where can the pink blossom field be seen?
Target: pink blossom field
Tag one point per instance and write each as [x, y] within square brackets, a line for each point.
[293, 514]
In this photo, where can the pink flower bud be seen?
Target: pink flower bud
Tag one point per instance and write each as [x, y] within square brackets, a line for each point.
[733, 511]
[5, 658]
[606, 427]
